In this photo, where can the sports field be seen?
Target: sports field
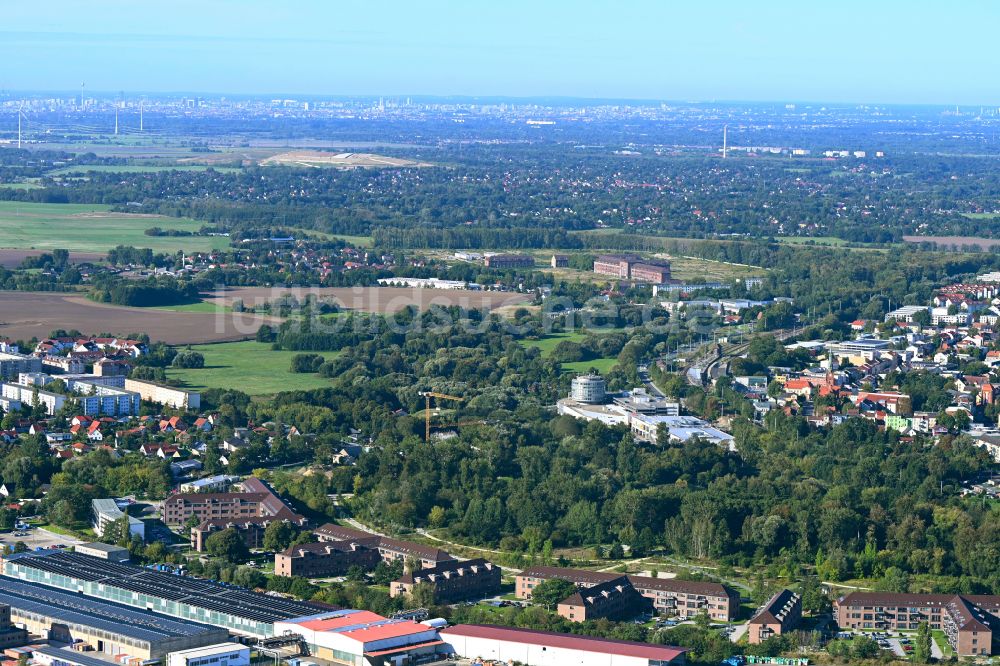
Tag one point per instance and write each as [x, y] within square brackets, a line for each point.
[547, 343]
[252, 367]
[93, 228]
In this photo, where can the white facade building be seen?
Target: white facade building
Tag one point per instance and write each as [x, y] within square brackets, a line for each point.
[223, 654]
[164, 395]
[589, 389]
[546, 648]
[106, 511]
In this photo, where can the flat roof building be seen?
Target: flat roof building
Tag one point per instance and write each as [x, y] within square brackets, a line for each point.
[645, 427]
[186, 598]
[361, 637]
[220, 654]
[103, 551]
[109, 628]
[106, 511]
[547, 648]
[12, 364]
[164, 395]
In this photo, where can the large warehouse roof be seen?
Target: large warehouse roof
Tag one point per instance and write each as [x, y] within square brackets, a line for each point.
[114, 618]
[192, 591]
[551, 639]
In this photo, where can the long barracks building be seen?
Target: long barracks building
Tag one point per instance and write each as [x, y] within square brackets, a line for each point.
[971, 622]
[670, 596]
[182, 597]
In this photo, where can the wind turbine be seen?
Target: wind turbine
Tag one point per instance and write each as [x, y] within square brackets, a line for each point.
[20, 113]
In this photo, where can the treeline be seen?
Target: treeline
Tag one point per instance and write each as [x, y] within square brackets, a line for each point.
[149, 293]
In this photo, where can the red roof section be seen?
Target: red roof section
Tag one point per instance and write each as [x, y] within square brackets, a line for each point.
[360, 617]
[380, 632]
[566, 641]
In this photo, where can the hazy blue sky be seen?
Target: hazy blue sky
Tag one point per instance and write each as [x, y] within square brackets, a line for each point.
[834, 50]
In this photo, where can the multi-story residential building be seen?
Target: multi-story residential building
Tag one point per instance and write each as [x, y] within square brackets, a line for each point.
[969, 621]
[509, 261]
[782, 613]
[62, 364]
[257, 500]
[615, 599]
[251, 530]
[669, 596]
[164, 395]
[688, 599]
[12, 365]
[30, 395]
[452, 581]
[560, 261]
[332, 558]
[92, 398]
[389, 549]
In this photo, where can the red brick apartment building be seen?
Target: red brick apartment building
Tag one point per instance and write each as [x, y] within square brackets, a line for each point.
[614, 599]
[509, 261]
[782, 613]
[971, 622]
[632, 267]
[669, 596]
[332, 558]
[389, 549]
[452, 581]
[250, 530]
[251, 509]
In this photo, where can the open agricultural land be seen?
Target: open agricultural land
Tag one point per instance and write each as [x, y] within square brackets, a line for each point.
[24, 315]
[93, 228]
[251, 366]
[13, 258]
[947, 242]
[83, 169]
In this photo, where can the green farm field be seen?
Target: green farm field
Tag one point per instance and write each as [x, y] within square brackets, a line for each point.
[93, 228]
[83, 169]
[250, 366]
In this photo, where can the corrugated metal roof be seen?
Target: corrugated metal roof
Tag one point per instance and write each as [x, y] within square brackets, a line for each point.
[565, 641]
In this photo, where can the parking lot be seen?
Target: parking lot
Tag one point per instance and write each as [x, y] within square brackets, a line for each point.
[37, 538]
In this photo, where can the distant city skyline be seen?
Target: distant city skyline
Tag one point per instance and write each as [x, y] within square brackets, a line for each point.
[849, 52]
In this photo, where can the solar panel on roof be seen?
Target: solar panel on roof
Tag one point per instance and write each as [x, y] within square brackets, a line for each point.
[192, 591]
[115, 618]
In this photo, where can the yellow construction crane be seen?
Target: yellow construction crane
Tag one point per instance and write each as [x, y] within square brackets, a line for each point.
[427, 408]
